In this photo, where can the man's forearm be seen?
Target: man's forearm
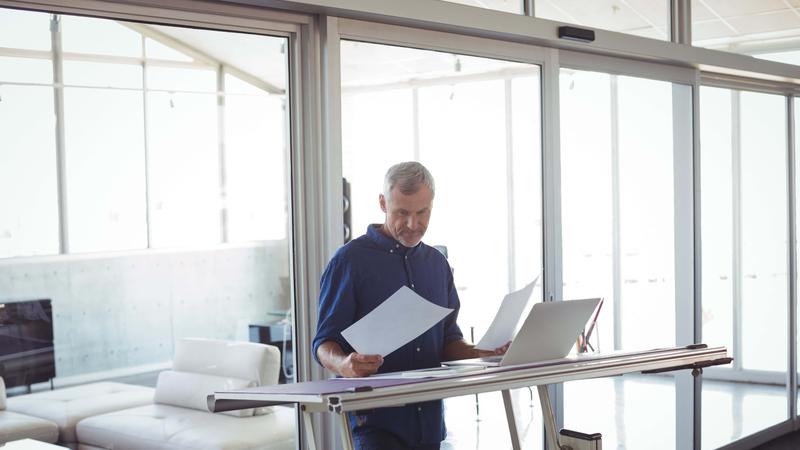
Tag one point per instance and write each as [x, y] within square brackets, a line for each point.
[331, 355]
[459, 349]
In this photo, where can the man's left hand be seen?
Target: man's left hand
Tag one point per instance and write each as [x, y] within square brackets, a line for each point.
[498, 351]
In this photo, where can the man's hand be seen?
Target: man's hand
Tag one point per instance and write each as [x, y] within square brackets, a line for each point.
[460, 349]
[498, 351]
[358, 365]
[334, 359]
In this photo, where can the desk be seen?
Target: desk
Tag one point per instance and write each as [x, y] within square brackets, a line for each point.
[341, 395]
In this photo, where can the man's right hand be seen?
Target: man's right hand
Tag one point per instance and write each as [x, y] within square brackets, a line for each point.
[332, 356]
[358, 365]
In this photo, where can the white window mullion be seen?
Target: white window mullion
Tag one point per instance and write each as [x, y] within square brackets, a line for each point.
[791, 374]
[688, 387]
[736, 270]
[551, 189]
[616, 241]
[61, 157]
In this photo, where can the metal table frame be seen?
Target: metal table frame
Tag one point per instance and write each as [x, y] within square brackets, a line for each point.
[579, 367]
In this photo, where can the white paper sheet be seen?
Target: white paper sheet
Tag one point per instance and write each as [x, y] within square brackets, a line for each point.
[395, 322]
[508, 319]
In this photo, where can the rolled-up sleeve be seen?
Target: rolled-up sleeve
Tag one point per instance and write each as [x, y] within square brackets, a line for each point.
[452, 332]
[337, 305]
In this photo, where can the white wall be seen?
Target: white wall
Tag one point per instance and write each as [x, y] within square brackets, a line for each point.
[116, 311]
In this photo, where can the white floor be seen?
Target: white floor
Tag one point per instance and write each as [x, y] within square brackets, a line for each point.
[734, 410]
[488, 429]
[631, 412]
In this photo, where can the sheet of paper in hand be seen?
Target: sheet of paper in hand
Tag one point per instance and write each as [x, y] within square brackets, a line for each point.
[395, 322]
[508, 319]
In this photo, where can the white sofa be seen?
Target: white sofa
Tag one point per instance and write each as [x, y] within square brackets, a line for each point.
[15, 426]
[67, 406]
[178, 417]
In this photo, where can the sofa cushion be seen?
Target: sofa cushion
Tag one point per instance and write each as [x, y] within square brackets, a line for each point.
[190, 390]
[168, 427]
[245, 360]
[14, 426]
[68, 406]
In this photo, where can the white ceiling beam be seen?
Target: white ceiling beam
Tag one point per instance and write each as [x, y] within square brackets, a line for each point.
[200, 56]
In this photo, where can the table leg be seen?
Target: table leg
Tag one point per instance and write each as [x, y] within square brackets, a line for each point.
[512, 421]
[549, 418]
[309, 431]
[344, 428]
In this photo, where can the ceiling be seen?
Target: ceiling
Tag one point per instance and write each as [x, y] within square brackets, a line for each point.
[748, 26]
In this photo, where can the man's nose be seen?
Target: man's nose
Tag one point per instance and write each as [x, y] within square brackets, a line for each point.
[412, 222]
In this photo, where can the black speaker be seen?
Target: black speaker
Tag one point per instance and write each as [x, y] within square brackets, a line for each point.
[348, 224]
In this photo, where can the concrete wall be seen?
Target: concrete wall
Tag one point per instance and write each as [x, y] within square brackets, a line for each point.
[124, 310]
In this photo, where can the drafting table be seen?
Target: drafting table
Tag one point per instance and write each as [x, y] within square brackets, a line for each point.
[342, 395]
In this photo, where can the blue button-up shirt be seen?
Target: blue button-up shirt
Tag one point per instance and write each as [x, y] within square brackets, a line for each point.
[359, 277]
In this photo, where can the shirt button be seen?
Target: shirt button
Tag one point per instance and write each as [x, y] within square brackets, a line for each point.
[406, 257]
[412, 285]
[419, 408]
[391, 251]
[419, 349]
[396, 245]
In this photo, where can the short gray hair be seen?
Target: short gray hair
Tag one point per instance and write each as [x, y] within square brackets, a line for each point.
[407, 177]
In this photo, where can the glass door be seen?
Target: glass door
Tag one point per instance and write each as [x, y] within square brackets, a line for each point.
[619, 145]
[475, 123]
[745, 260]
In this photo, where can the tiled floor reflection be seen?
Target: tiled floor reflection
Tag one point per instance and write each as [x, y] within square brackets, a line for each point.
[488, 430]
[734, 410]
[631, 412]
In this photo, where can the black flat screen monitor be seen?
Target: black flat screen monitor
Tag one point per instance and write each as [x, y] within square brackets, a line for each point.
[26, 342]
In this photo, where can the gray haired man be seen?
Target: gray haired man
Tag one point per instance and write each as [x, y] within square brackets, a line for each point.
[365, 272]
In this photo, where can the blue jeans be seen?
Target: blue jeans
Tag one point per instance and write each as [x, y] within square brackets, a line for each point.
[368, 438]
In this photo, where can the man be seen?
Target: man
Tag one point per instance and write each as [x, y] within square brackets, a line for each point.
[364, 273]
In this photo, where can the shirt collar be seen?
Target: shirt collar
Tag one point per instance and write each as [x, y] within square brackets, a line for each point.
[385, 242]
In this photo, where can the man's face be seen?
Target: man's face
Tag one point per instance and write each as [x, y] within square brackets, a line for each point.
[407, 216]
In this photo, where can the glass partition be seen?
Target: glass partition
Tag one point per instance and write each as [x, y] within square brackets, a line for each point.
[145, 223]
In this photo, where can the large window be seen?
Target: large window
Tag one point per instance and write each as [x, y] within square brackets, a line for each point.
[474, 122]
[28, 180]
[157, 140]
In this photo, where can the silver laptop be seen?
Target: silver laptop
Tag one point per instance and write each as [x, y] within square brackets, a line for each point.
[549, 332]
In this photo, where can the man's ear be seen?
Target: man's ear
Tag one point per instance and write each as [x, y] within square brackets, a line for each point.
[382, 201]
